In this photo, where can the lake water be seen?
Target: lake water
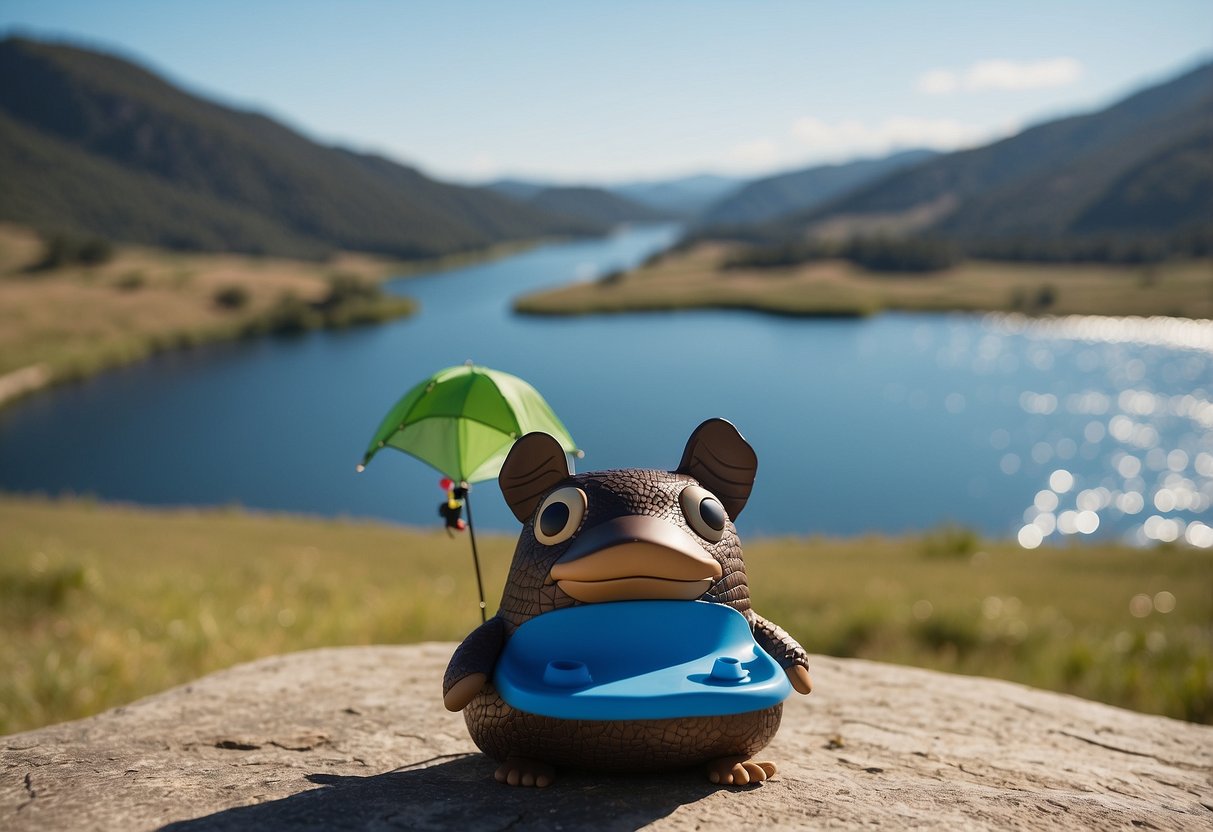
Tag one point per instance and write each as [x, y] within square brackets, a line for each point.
[894, 423]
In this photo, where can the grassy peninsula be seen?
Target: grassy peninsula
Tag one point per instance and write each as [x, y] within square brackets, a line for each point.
[71, 308]
[101, 604]
[700, 277]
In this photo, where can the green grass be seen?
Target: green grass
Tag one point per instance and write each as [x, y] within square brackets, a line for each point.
[75, 320]
[698, 278]
[102, 604]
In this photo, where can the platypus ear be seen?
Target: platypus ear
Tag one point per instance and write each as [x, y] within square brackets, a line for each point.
[533, 467]
[723, 462]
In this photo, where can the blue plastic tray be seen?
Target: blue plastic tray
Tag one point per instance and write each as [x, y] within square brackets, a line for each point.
[638, 660]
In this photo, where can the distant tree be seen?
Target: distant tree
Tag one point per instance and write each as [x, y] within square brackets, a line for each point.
[62, 250]
[910, 255]
[290, 314]
[131, 281]
[232, 297]
[93, 251]
[1192, 241]
[1046, 296]
[879, 254]
[950, 540]
[346, 288]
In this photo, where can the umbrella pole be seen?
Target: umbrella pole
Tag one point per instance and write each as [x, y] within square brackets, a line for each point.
[467, 501]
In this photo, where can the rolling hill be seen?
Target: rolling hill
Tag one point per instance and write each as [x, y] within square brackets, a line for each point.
[684, 196]
[93, 143]
[594, 205]
[787, 193]
[519, 189]
[597, 206]
[1139, 167]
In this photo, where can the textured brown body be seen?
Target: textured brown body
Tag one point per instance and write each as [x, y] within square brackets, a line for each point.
[632, 745]
[716, 458]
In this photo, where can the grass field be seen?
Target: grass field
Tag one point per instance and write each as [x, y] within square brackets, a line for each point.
[695, 279]
[101, 604]
[75, 320]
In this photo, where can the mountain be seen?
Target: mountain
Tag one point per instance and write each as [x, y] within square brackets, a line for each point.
[685, 196]
[1140, 166]
[519, 189]
[1165, 191]
[786, 193]
[92, 143]
[596, 206]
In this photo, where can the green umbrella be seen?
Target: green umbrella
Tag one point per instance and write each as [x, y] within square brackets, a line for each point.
[463, 421]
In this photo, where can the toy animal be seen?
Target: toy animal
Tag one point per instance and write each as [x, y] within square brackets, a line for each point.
[638, 572]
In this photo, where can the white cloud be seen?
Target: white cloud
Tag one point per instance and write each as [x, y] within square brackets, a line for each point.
[850, 138]
[938, 82]
[1008, 75]
[758, 154]
[1001, 75]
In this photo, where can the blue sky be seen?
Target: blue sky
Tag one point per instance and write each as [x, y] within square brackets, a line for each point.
[638, 90]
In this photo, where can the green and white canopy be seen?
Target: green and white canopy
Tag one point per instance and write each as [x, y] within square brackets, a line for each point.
[463, 421]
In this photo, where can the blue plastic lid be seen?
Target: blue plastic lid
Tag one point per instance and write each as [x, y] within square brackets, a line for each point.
[638, 660]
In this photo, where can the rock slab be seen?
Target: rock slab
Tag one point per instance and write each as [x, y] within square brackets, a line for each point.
[356, 738]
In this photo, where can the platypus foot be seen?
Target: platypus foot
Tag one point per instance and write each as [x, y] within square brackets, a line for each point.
[521, 771]
[739, 771]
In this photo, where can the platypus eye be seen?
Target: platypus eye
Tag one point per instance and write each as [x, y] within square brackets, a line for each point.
[559, 515]
[703, 512]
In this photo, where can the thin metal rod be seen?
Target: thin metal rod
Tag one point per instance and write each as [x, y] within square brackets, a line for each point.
[467, 501]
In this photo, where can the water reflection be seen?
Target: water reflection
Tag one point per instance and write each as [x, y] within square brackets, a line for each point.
[1151, 440]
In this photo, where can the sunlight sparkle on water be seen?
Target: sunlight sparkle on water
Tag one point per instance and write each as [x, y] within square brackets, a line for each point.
[1042, 452]
[1067, 522]
[1163, 529]
[1094, 432]
[1060, 481]
[1204, 464]
[1128, 465]
[1030, 536]
[1154, 444]
[1093, 499]
[1086, 522]
[1181, 333]
[1198, 534]
[1130, 502]
[1046, 522]
[1042, 403]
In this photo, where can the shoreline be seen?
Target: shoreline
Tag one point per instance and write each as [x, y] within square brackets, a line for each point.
[156, 301]
[673, 281]
[23, 382]
[697, 278]
[36, 378]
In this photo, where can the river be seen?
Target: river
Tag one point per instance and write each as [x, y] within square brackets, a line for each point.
[893, 423]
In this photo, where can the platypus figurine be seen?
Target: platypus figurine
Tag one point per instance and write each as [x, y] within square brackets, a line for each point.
[661, 537]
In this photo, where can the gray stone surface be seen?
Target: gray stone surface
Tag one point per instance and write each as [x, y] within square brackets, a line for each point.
[356, 738]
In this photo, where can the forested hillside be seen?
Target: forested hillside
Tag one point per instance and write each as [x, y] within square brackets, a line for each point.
[92, 143]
